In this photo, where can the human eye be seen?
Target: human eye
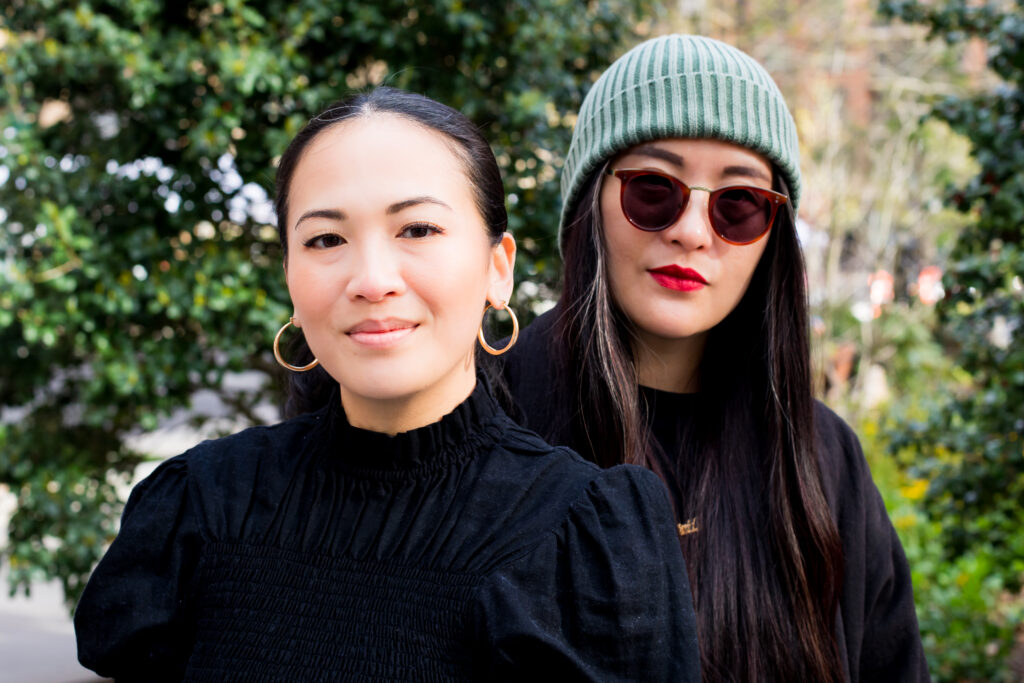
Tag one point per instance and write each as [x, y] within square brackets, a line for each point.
[741, 202]
[325, 241]
[420, 230]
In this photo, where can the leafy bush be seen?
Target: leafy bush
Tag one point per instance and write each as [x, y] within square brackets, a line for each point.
[969, 448]
[138, 262]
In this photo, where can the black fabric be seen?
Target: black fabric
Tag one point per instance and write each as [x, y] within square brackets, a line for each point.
[877, 626]
[465, 550]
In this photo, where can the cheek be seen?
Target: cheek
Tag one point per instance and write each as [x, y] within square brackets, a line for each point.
[308, 289]
[742, 262]
[611, 212]
[748, 260]
[454, 287]
[623, 247]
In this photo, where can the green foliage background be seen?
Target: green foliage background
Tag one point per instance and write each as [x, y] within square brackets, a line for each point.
[965, 449]
[138, 140]
[135, 267]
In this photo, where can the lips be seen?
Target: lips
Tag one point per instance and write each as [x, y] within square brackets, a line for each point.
[678, 279]
[381, 333]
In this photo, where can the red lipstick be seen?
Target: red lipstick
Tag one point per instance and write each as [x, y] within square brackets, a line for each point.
[678, 279]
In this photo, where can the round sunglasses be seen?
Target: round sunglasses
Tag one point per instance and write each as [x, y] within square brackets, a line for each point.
[652, 201]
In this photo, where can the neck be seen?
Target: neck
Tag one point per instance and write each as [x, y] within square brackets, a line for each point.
[669, 364]
[394, 415]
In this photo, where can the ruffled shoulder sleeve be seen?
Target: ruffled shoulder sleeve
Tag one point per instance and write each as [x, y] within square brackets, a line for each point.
[604, 596]
[879, 621]
[129, 621]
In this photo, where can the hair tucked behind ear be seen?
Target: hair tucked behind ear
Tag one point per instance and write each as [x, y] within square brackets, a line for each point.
[311, 390]
[766, 566]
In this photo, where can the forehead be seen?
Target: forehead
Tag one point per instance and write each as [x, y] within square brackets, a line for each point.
[701, 154]
[379, 156]
[382, 135]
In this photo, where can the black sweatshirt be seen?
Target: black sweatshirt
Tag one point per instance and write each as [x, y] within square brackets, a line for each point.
[876, 627]
[465, 550]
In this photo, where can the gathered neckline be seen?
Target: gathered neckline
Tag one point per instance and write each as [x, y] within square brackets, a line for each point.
[457, 436]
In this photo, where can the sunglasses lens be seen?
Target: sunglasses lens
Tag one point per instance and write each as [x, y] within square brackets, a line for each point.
[652, 202]
[741, 215]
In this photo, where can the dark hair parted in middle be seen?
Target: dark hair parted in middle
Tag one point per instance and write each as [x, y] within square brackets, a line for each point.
[764, 520]
[309, 391]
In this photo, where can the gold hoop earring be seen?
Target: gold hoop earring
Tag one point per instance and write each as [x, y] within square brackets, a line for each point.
[281, 360]
[512, 340]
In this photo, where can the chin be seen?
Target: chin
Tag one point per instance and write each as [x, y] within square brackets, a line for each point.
[676, 334]
[378, 381]
[669, 324]
[393, 388]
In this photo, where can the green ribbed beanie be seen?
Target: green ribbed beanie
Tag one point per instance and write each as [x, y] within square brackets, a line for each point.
[680, 86]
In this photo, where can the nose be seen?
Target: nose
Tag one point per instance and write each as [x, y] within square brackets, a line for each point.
[375, 273]
[692, 229]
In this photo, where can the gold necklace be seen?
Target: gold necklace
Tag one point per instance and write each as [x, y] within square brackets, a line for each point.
[688, 527]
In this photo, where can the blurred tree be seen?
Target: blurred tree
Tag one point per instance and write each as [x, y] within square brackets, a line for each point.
[138, 260]
[874, 176]
[970, 449]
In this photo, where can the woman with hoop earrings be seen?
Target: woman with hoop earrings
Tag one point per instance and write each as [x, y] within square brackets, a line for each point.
[403, 528]
[680, 342]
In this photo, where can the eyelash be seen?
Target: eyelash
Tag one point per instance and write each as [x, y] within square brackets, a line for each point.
[434, 229]
[430, 227]
[311, 242]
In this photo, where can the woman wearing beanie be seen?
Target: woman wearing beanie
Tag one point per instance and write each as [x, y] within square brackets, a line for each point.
[680, 342]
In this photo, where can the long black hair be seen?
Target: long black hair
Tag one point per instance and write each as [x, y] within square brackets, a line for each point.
[309, 391]
[766, 564]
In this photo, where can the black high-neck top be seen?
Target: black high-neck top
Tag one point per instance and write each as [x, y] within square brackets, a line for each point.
[465, 550]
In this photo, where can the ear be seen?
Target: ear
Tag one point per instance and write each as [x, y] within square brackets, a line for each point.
[503, 260]
[284, 266]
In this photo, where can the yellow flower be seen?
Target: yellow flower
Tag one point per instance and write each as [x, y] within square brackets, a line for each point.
[905, 522]
[915, 490]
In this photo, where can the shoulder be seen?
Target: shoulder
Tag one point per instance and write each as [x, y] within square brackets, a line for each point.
[550, 475]
[624, 512]
[877, 603]
[527, 452]
[568, 491]
[226, 480]
[856, 504]
[844, 470]
[601, 595]
[239, 453]
[833, 432]
[533, 353]
[627, 491]
[571, 511]
[539, 332]
[159, 497]
[538, 381]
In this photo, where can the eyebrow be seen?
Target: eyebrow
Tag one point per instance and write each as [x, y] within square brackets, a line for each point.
[658, 153]
[675, 159]
[748, 171]
[415, 201]
[397, 207]
[332, 214]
